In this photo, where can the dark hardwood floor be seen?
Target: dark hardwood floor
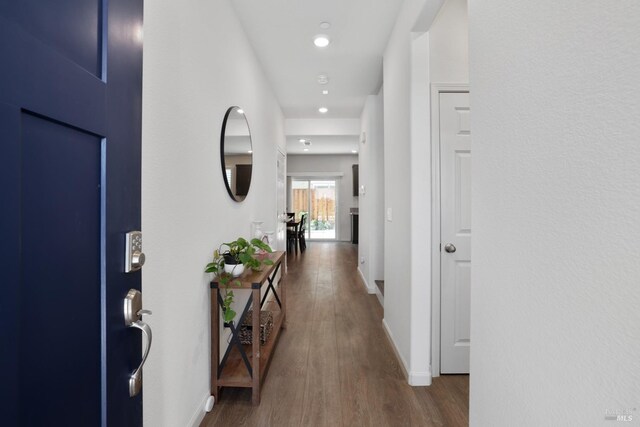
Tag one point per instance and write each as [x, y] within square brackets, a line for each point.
[333, 365]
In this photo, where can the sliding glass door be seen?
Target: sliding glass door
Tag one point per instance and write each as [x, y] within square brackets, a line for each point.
[317, 198]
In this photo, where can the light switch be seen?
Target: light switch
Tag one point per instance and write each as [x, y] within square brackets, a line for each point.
[389, 215]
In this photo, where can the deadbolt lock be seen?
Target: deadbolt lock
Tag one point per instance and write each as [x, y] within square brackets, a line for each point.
[134, 257]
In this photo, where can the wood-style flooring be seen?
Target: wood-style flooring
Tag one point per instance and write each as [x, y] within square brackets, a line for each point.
[333, 365]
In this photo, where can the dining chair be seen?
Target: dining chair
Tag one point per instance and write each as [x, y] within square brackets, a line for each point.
[301, 233]
[292, 238]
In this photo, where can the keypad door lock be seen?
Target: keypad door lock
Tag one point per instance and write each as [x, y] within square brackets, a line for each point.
[134, 257]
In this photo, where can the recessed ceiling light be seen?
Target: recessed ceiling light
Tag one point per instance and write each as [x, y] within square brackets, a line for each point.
[323, 79]
[323, 110]
[321, 40]
[325, 92]
[354, 151]
[302, 140]
[240, 111]
[250, 151]
[325, 25]
[305, 149]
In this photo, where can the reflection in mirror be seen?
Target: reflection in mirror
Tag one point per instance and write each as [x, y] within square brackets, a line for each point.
[236, 153]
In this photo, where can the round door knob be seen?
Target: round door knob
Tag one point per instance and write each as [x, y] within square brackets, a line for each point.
[450, 248]
[137, 260]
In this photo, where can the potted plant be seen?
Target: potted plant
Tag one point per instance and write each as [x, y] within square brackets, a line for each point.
[230, 260]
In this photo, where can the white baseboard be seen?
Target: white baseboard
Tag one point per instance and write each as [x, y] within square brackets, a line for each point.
[200, 413]
[416, 379]
[380, 296]
[419, 379]
[403, 363]
[369, 289]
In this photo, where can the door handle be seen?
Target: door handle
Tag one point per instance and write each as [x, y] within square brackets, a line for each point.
[450, 248]
[133, 313]
[135, 380]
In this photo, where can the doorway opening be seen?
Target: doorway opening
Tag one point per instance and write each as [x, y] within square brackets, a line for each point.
[316, 198]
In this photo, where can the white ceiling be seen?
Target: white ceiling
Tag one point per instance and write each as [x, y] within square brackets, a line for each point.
[281, 33]
[323, 144]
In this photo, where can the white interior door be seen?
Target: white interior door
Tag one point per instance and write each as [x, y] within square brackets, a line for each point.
[455, 232]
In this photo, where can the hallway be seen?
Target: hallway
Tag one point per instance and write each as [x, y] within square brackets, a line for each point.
[334, 365]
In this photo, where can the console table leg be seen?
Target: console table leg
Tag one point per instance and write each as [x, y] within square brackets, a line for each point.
[215, 343]
[282, 285]
[255, 395]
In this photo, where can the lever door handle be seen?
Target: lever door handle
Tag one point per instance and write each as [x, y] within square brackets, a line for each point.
[135, 380]
[133, 313]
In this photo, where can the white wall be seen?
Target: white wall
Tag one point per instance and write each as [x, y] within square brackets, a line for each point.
[427, 45]
[371, 160]
[197, 63]
[420, 209]
[556, 201]
[330, 163]
[397, 184]
[449, 44]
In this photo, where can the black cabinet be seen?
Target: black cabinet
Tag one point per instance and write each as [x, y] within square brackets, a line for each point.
[354, 228]
[356, 185]
[243, 179]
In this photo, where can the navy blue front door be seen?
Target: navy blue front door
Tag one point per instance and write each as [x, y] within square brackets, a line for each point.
[70, 128]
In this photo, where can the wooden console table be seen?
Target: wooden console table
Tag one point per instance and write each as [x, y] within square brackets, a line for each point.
[246, 365]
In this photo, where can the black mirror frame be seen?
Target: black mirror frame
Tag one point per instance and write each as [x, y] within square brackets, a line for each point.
[222, 156]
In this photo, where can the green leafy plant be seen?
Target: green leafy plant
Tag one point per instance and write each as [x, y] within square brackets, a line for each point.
[239, 251]
[321, 225]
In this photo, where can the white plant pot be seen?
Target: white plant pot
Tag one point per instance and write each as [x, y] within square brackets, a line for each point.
[234, 269]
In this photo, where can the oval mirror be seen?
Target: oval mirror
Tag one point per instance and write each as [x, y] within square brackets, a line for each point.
[236, 153]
